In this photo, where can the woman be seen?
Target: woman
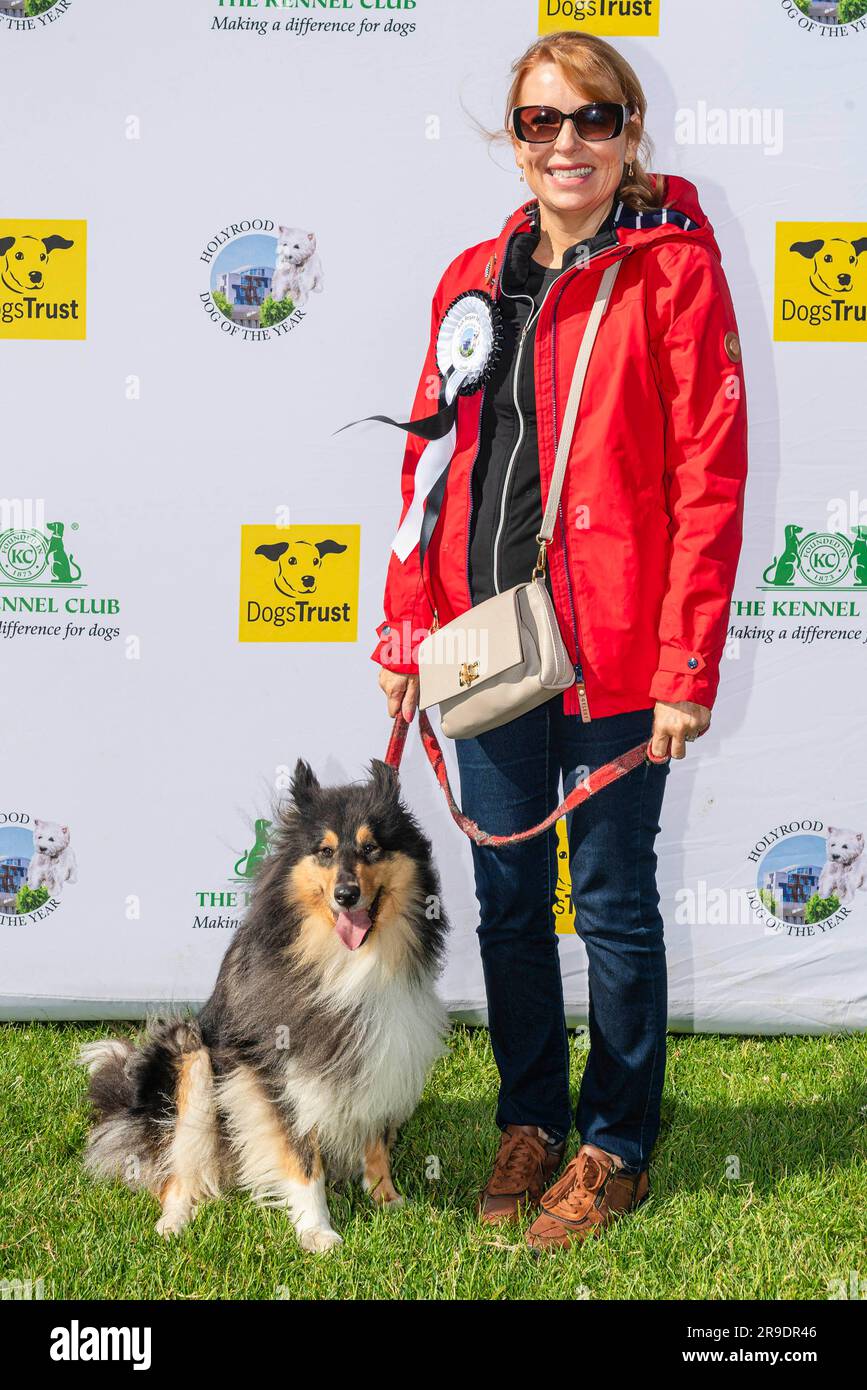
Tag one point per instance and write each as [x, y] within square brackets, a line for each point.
[640, 570]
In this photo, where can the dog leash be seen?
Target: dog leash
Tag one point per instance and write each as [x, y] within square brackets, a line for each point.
[593, 783]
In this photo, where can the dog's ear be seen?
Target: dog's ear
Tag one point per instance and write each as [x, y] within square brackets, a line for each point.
[6, 243]
[830, 830]
[385, 778]
[807, 249]
[330, 548]
[860, 245]
[56, 243]
[304, 783]
[273, 552]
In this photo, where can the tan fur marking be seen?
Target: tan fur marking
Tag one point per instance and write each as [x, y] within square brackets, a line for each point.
[265, 1152]
[310, 886]
[364, 836]
[194, 1155]
[377, 1175]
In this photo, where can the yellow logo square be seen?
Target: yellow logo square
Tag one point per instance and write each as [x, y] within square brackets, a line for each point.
[299, 583]
[820, 284]
[600, 16]
[43, 278]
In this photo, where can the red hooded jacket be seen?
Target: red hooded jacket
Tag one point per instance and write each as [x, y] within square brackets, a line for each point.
[643, 559]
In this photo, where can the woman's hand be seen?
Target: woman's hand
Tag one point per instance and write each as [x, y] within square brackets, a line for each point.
[401, 692]
[676, 725]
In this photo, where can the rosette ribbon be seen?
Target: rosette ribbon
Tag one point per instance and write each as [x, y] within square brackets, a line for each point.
[469, 341]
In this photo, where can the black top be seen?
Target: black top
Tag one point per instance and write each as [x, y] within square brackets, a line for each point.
[506, 488]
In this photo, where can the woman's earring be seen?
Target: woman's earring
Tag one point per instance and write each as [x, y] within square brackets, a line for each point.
[522, 173]
[629, 169]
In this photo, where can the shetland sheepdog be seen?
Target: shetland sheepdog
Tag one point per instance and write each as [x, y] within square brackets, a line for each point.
[316, 1041]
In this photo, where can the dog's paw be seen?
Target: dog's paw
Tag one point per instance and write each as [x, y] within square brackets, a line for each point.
[170, 1225]
[318, 1242]
[391, 1203]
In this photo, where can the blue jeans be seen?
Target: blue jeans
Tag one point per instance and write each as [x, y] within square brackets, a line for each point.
[509, 780]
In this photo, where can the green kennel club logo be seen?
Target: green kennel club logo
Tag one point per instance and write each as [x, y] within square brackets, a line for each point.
[819, 560]
[30, 556]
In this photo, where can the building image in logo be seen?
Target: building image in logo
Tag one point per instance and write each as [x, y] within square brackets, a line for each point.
[43, 279]
[820, 291]
[29, 9]
[299, 583]
[37, 864]
[836, 12]
[263, 275]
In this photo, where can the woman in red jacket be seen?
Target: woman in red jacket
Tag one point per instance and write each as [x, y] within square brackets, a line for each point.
[640, 571]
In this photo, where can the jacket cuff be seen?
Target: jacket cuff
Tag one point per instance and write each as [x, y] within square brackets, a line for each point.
[684, 674]
[395, 649]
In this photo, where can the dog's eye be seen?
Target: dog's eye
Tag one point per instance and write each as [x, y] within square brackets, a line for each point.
[326, 852]
[19, 255]
[370, 851]
[292, 560]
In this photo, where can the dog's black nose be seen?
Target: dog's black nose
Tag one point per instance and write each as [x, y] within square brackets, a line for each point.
[35, 277]
[308, 579]
[347, 894]
[845, 278]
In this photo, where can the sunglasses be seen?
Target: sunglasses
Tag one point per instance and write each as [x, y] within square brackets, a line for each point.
[538, 125]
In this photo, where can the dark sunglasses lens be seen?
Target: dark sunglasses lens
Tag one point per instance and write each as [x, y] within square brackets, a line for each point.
[599, 121]
[539, 123]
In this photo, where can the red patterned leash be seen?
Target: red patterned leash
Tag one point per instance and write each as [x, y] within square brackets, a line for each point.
[593, 783]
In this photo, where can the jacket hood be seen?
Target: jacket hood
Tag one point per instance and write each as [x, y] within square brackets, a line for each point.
[681, 216]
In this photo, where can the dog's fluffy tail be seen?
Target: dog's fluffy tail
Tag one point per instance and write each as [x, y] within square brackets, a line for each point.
[134, 1091]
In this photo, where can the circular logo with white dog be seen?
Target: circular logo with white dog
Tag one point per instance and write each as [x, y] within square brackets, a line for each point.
[263, 275]
[808, 877]
[37, 865]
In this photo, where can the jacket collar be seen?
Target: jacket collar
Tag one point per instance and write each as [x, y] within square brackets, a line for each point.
[681, 217]
[523, 247]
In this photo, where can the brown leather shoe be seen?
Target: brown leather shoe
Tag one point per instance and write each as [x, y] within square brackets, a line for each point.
[524, 1165]
[591, 1194]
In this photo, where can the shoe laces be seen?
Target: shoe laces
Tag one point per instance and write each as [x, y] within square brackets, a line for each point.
[582, 1179]
[519, 1159]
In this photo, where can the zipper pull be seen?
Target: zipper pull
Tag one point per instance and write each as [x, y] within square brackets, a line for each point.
[582, 701]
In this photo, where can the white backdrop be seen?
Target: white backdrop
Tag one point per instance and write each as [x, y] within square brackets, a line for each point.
[155, 746]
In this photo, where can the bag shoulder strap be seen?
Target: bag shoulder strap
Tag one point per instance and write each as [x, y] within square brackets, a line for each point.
[603, 294]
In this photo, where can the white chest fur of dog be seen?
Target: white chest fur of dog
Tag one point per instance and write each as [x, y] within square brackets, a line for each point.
[379, 1070]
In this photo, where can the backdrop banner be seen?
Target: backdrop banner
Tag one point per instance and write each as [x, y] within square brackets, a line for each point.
[219, 239]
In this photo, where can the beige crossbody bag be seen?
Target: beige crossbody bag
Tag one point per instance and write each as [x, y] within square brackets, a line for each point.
[507, 655]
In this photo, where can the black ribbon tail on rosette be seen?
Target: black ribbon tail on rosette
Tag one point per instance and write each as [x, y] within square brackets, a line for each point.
[426, 427]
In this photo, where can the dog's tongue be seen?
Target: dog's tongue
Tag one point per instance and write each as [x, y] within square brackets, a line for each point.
[352, 926]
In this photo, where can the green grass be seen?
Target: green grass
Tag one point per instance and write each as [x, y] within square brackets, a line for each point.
[793, 1111]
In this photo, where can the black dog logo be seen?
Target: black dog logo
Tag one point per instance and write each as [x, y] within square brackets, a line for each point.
[25, 259]
[834, 262]
[298, 563]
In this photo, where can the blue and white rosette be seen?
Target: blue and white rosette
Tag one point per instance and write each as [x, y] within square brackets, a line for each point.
[469, 342]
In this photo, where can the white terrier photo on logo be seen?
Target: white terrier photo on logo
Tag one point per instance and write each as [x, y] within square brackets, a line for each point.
[53, 863]
[845, 868]
[298, 269]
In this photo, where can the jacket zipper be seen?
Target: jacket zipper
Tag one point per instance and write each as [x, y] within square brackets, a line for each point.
[533, 316]
[580, 686]
[496, 295]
